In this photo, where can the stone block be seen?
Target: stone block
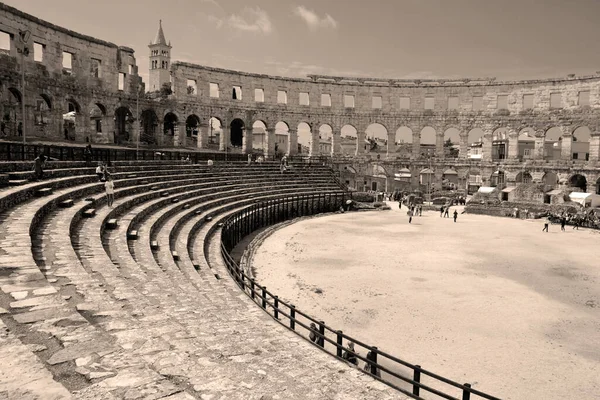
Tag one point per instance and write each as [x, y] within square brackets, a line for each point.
[66, 203]
[89, 213]
[132, 235]
[111, 224]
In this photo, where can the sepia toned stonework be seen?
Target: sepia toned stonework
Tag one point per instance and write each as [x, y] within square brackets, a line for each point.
[110, 104]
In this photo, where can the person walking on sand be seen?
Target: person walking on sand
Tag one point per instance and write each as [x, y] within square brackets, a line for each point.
[441, 211]
[455, 215]
[546, 224]
[109, 186]
[446, 212]
[563, 222]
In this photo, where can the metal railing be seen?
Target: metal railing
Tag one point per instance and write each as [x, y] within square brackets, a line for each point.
[410, 379]
[13, 151]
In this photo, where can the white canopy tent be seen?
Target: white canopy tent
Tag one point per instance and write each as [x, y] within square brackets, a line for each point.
[486, 189]
[585, 199]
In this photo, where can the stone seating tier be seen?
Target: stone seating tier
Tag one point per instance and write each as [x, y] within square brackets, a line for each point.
[123, 327]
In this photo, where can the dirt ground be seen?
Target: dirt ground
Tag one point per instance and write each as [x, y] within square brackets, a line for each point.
[494, 302]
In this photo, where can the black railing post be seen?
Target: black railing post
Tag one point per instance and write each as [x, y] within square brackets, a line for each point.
[340, 343]
[292, 317]
[467, 392]
[417, 379]
[264, 297]
[252, 285]
[321, 340]
[374, 360]
[276, 307]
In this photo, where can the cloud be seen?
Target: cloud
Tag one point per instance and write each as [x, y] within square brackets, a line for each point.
[313, 21]
[251, 20]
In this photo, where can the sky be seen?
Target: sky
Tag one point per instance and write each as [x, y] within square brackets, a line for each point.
[507, 39]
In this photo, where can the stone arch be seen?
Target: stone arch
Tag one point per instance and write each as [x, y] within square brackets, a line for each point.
[123, 124]
[427, 141]
[282, 137]
[403, 140]
[580, 145]
[377, 136]
[550, 179]
[451, 142]
[170, 122]
[348, 139]
[526, 143]
[259, 132]
[523, 177]
[304, 137]
[192, 126]
[553, 138]
[215, 130]
[16, 94]
[325, 139]
[43, 107]
[475, 139]
[500, 143]
[73, 106]
[237, 129]
[149, 127]
[578, 181]
[97, 117]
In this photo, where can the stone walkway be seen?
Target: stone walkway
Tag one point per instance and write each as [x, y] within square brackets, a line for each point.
[78, 322]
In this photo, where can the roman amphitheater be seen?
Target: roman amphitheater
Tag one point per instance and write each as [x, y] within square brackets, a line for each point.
[161, 295]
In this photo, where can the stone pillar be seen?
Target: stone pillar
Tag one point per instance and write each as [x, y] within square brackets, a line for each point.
[247, 140]
[464, 145]
[224, 138]
[293, 142]
[202, 136]
[360, 141]
[538, 151]
[135, 135]
[595, 147]
[486, 150]
[566, 146]
[416, 145]
[314, 150]
[439, 144]
[179, 134]
[270, 142]
[513, 145]
[336, 143]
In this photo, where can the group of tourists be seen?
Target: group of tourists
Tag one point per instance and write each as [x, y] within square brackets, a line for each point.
[587, 219]
[349, 354]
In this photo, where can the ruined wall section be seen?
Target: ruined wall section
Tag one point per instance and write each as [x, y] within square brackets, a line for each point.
[79, 84]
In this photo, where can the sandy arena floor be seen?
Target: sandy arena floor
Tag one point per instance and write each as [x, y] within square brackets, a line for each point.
[490, 301]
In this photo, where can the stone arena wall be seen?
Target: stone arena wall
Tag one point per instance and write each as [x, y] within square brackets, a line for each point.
[105, 114]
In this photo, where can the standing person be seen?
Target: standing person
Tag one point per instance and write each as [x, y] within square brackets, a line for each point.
[283, 164]
[455, 215]
[576, 222]
[546, 224]
[410, 215]
[563, 222]
[249, 158]
[446, 212]
[441, 211]
[400, 204]
[421, 210]
[38, 167]
[109, 186]
[87, 155]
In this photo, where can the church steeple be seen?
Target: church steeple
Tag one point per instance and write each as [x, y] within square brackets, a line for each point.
[160, 35]
[160, 60]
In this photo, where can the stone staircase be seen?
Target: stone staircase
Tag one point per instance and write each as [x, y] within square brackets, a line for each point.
[90, 311]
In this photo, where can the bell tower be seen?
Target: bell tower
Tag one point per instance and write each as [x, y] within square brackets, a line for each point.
[160, 60]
